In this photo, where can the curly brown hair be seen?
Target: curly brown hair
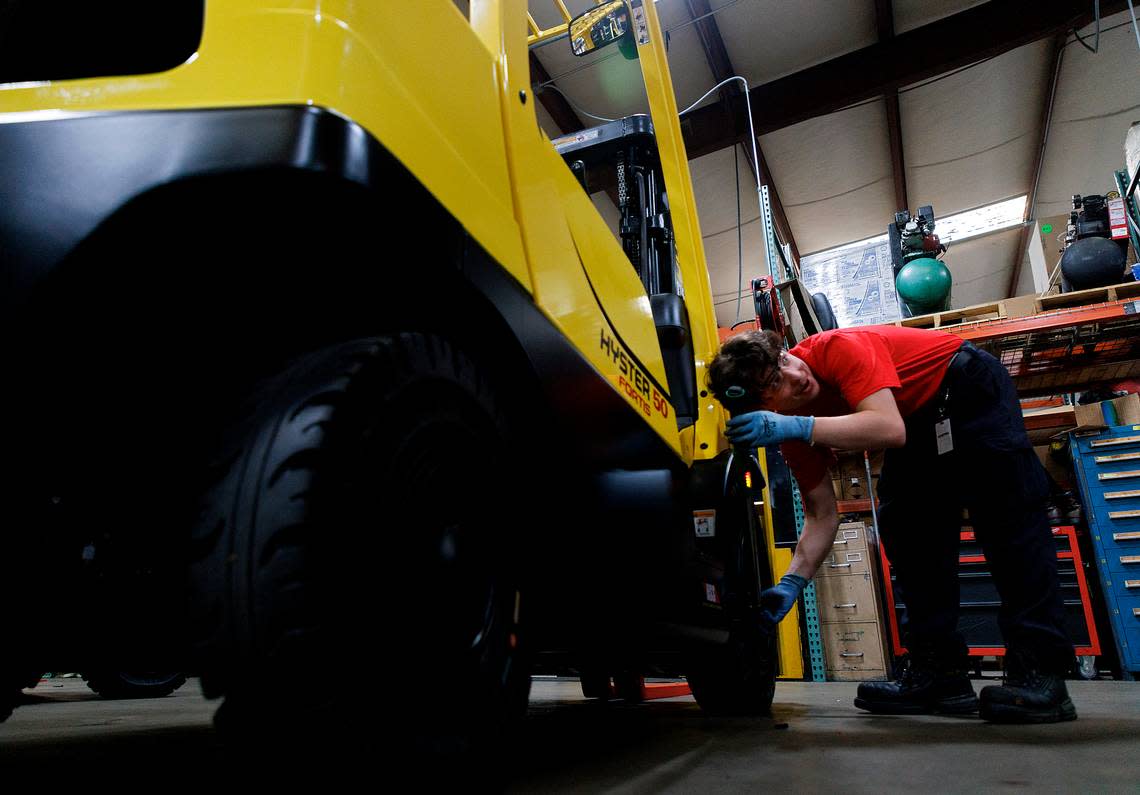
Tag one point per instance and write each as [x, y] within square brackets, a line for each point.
[745, 360]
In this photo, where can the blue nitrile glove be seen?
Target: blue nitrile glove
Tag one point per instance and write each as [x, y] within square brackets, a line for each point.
[777, 601]
[758, 428]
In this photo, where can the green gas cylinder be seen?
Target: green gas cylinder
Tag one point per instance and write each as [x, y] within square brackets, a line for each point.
[924, 285]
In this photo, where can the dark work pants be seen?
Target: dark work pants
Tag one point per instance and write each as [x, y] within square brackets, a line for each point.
[993, 473]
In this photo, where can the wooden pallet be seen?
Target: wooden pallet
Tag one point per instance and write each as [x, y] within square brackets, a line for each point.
[1022, 306]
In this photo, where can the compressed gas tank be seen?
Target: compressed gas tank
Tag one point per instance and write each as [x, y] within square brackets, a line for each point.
[1092, 262]
[924, 285]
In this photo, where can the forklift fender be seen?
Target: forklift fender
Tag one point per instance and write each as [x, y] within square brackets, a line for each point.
[63, 177]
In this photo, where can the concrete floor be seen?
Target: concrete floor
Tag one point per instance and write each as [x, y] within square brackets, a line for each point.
[816, 742]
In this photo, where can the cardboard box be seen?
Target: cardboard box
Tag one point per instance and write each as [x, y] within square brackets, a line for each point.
[1127, 410]
[1020, 305]
[849, 475]
[1052, 242]
[1061, 472]
[854, 487]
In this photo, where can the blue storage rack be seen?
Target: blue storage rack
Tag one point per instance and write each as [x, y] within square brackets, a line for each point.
[811, 610]
[1107, 464]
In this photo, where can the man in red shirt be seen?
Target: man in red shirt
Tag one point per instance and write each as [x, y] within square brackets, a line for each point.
[950, 421]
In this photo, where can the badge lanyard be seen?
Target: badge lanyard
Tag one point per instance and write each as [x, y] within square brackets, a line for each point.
[942, 437]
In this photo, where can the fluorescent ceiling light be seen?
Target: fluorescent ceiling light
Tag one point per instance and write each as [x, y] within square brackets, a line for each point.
[953, 228]
[991, 218]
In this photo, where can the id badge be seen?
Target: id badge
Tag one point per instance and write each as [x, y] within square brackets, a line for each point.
[943, 437]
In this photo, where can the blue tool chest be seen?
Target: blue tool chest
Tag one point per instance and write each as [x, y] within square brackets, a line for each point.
[1108, 470]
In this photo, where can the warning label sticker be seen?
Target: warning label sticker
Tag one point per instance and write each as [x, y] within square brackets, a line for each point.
[1116, 219]
[640, 24]
[704, 523]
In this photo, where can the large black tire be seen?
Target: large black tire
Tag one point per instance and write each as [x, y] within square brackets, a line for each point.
[595, 684]
[629, 686]
[12, 685]
[9, 699]
[737, 679]
[361, 519]
[142, 684]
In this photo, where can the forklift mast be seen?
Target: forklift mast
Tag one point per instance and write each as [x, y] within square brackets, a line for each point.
[620, 157]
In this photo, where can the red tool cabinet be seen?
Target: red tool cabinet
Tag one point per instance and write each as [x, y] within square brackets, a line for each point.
[979, 600]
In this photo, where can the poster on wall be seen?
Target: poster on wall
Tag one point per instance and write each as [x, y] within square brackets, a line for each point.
[857, 280]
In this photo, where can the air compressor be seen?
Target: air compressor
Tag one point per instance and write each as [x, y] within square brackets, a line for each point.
[1096, 243]
[922, 280]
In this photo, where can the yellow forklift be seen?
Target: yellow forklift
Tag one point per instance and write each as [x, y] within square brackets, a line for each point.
[321, 359]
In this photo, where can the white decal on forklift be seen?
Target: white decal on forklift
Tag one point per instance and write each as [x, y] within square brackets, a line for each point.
[704, 523]
[710, 594]
[579, 137]
[640, 26]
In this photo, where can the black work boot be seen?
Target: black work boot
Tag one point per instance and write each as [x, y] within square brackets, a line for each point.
[1028, 694]
[922, 687]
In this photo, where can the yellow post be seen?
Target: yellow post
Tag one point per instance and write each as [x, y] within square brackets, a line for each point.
[788, 641]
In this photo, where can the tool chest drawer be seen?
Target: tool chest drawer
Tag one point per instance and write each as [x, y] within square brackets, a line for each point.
[1117, 562]
[1107, 464]
[970, 548]
[980, 604]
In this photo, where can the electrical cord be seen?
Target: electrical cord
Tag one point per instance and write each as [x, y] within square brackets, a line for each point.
[571, 103]
[1135, 27]
[576, 69]
[755, 162]
[739, 238]
[1096, 42]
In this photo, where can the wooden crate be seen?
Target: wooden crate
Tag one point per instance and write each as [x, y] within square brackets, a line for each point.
[953, 317]
[1023, 306]
[1097, 295]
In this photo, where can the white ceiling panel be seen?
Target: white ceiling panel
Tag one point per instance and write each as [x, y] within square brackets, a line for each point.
[1098, 98]
[720, 250]
[545, 122]
[981, 267]
[602, 83]
[688, 66]
[713, 186]
[970, 138]
[605, 84]
[833, 174]
[714, 179]
[547, 15]
[767, 39]
[910, 14]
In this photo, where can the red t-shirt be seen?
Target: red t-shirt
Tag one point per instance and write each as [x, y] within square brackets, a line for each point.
[853, 363]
